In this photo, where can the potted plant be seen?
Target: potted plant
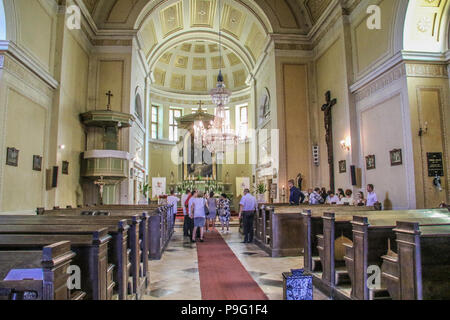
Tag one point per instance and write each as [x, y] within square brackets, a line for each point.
[260, 192]
[145, 190]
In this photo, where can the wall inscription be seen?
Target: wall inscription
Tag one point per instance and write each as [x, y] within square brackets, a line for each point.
[435, 164]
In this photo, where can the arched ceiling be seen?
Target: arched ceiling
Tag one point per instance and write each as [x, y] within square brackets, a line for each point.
[426, 26]
[166, 27]
[279, 16]
[193, 66]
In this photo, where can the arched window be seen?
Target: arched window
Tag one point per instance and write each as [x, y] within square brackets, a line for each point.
[138, 108]
[2, 22]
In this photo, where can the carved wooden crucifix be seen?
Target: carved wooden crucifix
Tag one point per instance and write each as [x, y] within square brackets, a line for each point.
[327, 108]
[109, 95]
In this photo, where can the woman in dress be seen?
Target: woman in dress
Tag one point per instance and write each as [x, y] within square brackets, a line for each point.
[224, 212]
[212, 208]
[198, 214]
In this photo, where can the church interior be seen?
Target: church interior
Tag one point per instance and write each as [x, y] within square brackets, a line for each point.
[316, 130]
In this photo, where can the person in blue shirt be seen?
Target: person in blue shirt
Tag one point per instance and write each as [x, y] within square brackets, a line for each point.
[248, 207]
[296, 196]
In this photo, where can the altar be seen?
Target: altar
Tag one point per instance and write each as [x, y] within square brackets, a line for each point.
[199, 168]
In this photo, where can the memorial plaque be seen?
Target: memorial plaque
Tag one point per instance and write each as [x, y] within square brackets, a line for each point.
[435, 164]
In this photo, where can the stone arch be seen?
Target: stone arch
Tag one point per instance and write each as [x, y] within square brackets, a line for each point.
[420, 33]
[8, 22]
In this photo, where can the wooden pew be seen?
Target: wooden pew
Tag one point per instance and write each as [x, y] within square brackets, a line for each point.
[117, 228]
[37, 275]
[91, 248]
[371, 236]
[160, 225]
[277, 231]
[330, 243]
[421, 268]
[312, 225]
[139, 238]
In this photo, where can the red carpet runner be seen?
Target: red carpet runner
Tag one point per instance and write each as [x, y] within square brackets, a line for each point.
[222, 276]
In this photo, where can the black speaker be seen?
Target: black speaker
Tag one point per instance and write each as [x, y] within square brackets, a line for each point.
[353, 174]
[55, 177]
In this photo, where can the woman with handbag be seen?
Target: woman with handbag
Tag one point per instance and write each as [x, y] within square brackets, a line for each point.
[224, 212]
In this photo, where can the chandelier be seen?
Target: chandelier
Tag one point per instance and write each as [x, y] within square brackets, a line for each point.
[220, 94]
[219, 137]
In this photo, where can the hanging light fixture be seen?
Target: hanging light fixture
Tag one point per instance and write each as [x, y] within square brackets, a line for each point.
[218, 137]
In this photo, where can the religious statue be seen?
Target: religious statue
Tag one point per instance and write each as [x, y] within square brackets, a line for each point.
[327, 109]
[227, 177]
[299, 181]
[172, 178]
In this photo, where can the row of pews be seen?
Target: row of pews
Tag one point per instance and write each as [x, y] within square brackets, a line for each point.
[111, 246]
[279, 228]
[348, 249]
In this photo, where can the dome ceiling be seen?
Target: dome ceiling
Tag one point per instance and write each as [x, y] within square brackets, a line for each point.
[193, 66]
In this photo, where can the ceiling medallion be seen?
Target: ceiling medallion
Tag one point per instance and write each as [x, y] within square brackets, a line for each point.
[424, 24]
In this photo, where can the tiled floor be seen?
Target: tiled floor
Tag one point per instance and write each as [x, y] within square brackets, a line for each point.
[176, 277]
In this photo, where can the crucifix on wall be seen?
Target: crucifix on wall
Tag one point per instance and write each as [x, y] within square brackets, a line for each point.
[109, 95]
[327, 109]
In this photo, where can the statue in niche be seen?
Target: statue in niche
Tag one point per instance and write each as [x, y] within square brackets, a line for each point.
[227, 177]
[172, 178]
[299, 181]
[264, 107]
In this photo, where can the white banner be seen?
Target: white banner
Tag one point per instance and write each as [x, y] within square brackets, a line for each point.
[158, 187]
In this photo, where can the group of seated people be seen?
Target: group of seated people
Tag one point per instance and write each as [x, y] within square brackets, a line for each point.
[322, 196]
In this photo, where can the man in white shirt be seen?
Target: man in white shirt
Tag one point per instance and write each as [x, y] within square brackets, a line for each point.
[248, 207]
[371, 196]
[173, 201]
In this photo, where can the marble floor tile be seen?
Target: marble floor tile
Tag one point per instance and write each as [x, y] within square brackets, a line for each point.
[176, 275]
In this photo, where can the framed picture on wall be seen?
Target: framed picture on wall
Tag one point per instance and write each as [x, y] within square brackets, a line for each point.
[370, 162]
[12, 157]
[37, 163]
[396, 157]
[65, 167]
[343, 166]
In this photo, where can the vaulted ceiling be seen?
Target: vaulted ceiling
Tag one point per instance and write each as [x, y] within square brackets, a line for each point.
[285, 16]
[179, 37]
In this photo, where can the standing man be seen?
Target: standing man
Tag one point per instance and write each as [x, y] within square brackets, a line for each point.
[248, 207]
[371, 196]
[296, 196]
[184, 197]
